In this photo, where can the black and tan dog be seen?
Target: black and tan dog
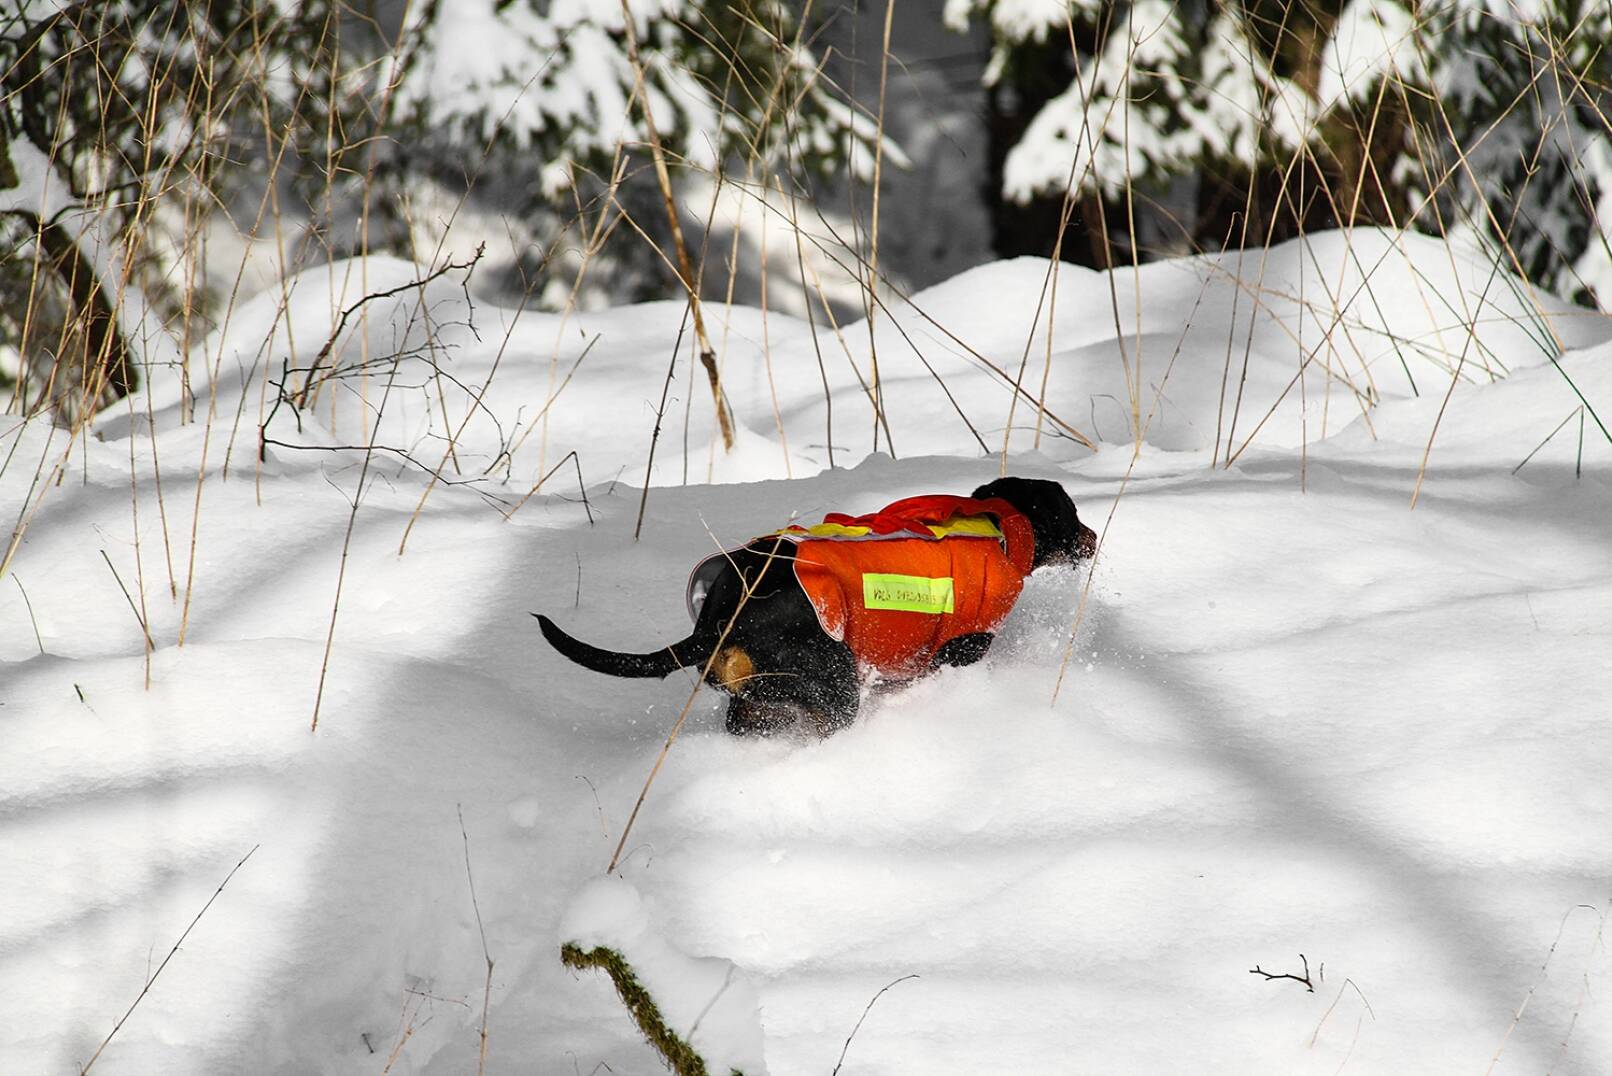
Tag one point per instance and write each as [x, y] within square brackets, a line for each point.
[794, 623]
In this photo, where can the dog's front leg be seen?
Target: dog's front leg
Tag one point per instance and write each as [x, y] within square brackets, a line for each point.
[964, 650]
[747, 717]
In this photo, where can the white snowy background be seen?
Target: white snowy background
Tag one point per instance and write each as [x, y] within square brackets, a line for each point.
[1300, 715]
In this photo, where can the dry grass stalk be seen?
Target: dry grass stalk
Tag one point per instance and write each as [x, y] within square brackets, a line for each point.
[872, 267]
[152, 981]
[811, 324]
[137, 610]
[766, 355]
[487, 986]
[34, 621]
[1049, 282]
[685, 268]
[654, 435]
[677, 726]
[1119, 495]
[352, 517]
[871, 1002]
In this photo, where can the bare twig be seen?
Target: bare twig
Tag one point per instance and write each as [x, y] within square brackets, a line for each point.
[346, 545]
[153, 980]
[1347, 984]
[1305, 978]
[1577, 412]
[872, 290]
[31, 619]
[864, 1016]
[677, 726]
[145, 631]
[487, 988]
[685, 267]
[582, 488]
[660, 414]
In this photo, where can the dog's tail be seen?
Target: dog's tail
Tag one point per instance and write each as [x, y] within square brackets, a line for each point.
[694, 650]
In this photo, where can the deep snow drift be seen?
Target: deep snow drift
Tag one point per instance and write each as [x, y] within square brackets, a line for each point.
[1300, 716]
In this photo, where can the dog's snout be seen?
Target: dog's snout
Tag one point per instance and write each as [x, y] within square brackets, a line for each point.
[1085, 543]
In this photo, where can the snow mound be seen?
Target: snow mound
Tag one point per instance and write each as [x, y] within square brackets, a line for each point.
[1284, 713]
[1267, 348]
[707, 1003]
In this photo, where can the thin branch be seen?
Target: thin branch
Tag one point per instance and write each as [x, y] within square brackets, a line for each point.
[153, 980]
[15, 578]
[145, 631]
[677, 726]
[864, 1016]
[487, 988]
[685, 268]
[1305, 978]
[660, 414]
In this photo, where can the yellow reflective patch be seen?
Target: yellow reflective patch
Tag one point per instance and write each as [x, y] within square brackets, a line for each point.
[973, 526]
[827, 530]
[963, 526]
[910, 593]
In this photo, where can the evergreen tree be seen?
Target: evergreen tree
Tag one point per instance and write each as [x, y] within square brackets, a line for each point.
[1249, 120]
[123, 123]
[1525, 96]
[111, 113]
[544, 93]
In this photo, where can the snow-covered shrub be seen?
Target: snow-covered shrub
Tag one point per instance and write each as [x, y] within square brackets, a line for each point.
[1519, 123]
[1196, 87]
[120, 119]
[1450, 116]
[537, 105]
[555, 81]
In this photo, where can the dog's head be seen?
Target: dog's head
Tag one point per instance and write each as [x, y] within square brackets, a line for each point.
[1060, 536]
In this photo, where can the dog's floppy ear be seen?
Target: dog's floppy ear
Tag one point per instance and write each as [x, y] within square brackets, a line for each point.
[1060, 537]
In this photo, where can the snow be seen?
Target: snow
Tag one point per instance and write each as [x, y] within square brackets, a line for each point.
[707, 1003]
[1298, 716]
[1373, 38]
[575, 107]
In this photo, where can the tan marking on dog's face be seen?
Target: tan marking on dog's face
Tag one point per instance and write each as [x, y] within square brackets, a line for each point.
[732, 668]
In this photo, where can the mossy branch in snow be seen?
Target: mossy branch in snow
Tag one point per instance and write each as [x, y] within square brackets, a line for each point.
[679, 1055]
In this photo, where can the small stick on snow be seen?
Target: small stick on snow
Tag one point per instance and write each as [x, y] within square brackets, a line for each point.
[604, 828]
[660, 414]
[1577, 413]
[153, 980]
[1305, 978]
[132, 607]
[31, 618]
[1347, 983]
[684, 268]
[864, 1016]
[581, 487]
[677, 726]
[487, 987]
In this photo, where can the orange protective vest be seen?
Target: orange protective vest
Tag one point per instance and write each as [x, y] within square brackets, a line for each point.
[897, 585]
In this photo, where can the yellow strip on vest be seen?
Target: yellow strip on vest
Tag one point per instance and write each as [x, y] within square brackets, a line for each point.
[827, 530]
[910, 593]
[955, 526]
[968, 526]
